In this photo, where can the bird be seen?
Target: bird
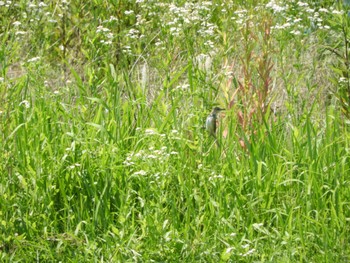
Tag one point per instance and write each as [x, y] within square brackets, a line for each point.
[210, 123]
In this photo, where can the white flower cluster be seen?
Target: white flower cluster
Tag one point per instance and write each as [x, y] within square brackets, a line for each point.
[106, 34]
[142, 156]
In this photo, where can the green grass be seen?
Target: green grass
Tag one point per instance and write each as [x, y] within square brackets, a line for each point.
[104, 158]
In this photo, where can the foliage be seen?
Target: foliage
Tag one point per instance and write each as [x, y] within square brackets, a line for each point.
[104, 157]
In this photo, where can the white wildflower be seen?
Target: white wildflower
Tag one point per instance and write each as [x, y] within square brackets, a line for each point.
[102, 29]
[249, 252]
[25, 103]
[150, 132]
[302, 4]
[295, 32]
[324, 10]
[33, 59]
[336, 12]
[245, 246]
[343, 80]
[128, 12]
[113, 18]
[141, 172]
[20, 33]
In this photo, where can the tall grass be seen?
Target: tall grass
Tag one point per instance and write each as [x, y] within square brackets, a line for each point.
[104, 158]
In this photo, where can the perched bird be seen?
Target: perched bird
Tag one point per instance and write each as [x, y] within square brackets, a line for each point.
[210, 123]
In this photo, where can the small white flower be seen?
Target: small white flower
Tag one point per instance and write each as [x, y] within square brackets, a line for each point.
[141, 172]
[302, 4]
[110, 35]
[25, 103]
[295, 32]
[139, 154]
[128, 12]
[241, 12]
[275, 7]
[336, 12]
[286, 25]
[182, 87]
[173, 29]
[127, 163]
[249, 252]
[16, 23]
[343, 80]
[133, 33]
[158, 152]
[113, 18]
[209, 43]
[20, 33]
[102, 29]
[219, 176]
[158, 43]
[150, 132]
[33, 59]
[258, 225]
[108, 42]
[229, 249]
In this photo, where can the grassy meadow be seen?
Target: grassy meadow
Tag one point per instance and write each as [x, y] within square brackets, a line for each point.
[104, 157]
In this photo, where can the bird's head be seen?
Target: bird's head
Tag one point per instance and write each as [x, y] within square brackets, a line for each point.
[217, 110]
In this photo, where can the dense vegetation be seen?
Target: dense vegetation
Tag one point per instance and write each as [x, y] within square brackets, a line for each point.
[103, 154]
